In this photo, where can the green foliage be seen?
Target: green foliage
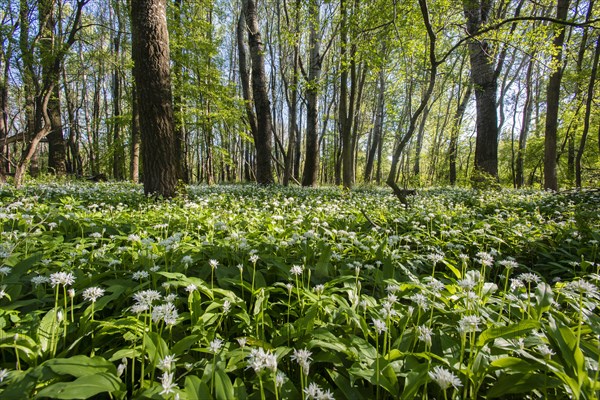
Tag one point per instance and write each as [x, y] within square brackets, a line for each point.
[244, 291]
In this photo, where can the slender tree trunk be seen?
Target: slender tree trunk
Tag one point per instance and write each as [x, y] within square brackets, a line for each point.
[402, 142]
[134, 157]
[118, 152]
[453, 148]
[552, 101]
[419, 144]
[588, 111]
[525, 126]
[150, 53]
[377, 127]
[178, 103]
[263, 139]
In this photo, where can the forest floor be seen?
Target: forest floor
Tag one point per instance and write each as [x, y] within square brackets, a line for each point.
[288, 293]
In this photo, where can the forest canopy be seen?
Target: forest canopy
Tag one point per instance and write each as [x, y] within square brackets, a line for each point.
[309, 92]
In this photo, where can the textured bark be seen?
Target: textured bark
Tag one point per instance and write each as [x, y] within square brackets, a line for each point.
[588, 111]
[486, 88]
[453, 147]
[552, 101]
[134, 157]
[310, 175]
[150, 53]
[525, 125]
[118, 151]
[262, 106]
[57, 148]
[74, 160]
[377, 128]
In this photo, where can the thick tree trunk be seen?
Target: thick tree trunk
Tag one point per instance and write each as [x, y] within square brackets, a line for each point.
[486, 87]
[552, 102]
[310, 176]
[150, 53]
[262, 106]
[4, 155]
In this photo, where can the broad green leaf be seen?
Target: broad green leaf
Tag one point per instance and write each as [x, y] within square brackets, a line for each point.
[80, 365]
[510, 331]
[195, 389]
[520, 383]
[223, 386]
[84, 387]
[49, 331]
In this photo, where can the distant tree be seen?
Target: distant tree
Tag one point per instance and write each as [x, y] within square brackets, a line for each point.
[38, 107]
[552, 100]
[150, 53]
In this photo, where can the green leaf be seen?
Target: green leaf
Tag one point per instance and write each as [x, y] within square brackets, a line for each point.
[195, 389]
[510, 331]
[80, 365]
[223, 386]
[48, 332]
[520, 383]
[544, 298]
[84, 387]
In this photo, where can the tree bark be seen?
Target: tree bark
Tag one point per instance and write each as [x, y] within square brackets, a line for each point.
[453, 148]
[150, 53]
[588, 111]
[311, 162]
[134, 166]
[262, 106]
[552, 101]
[525, 125]
[486, 87]
[377, 127]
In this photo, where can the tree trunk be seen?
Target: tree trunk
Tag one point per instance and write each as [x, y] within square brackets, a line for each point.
[453, 147]
[419, 144]
[552, 102]
[588, 110]
[57, 149]
[118, 151]
[377, 127]
[262, 107]
[486, 87]
[150, 53]
[525, 125]
[134, 166]
[310, 176]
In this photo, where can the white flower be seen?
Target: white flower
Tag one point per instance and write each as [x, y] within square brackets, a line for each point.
[39, 280]
[296, 270]
[226, 306]
[191, 287]
[444, 378]
[380, 326]
[319, 289]
[187, 260]
[165, 312]
[4, 270]
[529, 277]
[71, 292]
[92, 294]
[139, 275]
[147, 297]
[167, 384]
[167, 362]
[302, 357]
[485, 259]
[420, 300]
[3, 374]
[213, 263]
[545, 351]
[425, 334]
[216, 345]
[435, 258]
[259, 359]
[242, 341]
[468, 323]
[253, 258]
[62, 278]
[582, 286]
[279, 379]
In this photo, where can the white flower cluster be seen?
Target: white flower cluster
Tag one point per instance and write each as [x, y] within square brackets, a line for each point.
[259, 360]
